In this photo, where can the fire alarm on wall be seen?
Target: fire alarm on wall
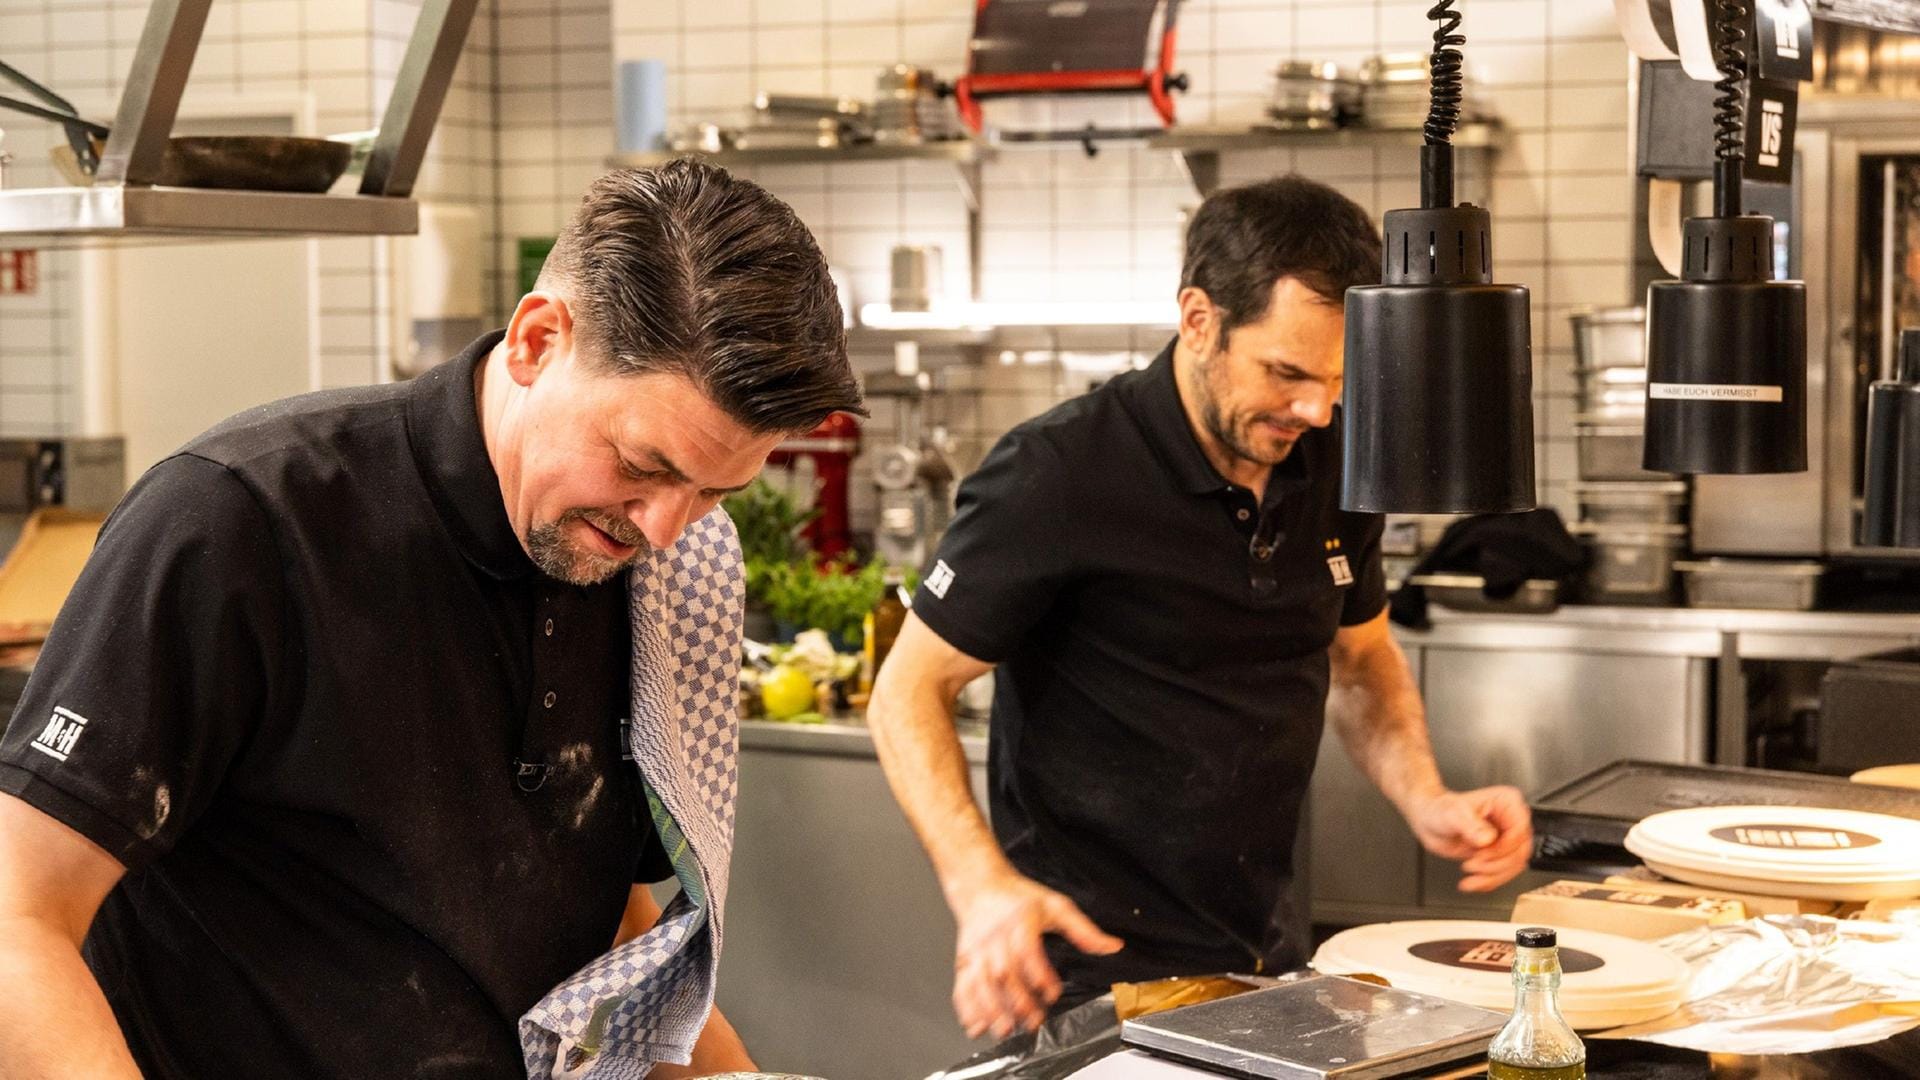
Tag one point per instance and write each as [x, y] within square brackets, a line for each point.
[19, 272]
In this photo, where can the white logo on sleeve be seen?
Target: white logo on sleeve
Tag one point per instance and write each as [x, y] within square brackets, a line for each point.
[63, 729]
[939, 579]
[1342, 572]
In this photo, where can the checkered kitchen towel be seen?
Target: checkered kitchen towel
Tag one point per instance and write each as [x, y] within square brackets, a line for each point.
[646, 1001]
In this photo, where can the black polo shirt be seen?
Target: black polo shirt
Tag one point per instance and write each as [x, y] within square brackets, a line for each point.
[1162, 649]
[289, 693]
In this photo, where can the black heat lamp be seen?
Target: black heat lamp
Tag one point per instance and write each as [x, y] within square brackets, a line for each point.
[1892, 517]
[1727, 344]
[1438, 409]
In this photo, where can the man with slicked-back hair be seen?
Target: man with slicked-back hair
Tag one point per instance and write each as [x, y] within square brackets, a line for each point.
[323, 770]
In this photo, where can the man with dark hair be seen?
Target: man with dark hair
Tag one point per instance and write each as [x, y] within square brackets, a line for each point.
[1163, 576]
[375, 711]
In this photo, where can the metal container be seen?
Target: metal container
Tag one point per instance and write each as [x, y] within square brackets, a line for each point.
[1614, 392]
[1632, 502]
[1313, 94]
[1628, 563]
[1467, 592]
[1395, 86]
[1774, 585]
[916, 276]
[1610, 338]
[908, 108]
[1611, 449]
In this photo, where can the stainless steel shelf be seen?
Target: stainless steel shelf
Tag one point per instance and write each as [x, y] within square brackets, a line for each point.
[1187, 140]
[956, 151]
[50, 217]
[1200, 147]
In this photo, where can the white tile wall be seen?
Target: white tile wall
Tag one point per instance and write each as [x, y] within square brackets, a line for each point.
[1060, 226]
[339, 56]
[529, 122]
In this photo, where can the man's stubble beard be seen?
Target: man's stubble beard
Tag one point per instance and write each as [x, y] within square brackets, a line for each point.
[561, 559]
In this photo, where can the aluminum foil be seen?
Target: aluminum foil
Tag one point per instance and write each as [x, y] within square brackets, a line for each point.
[1790, 984]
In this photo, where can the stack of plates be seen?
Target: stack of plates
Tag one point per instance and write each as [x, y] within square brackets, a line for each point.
[1606, 980]
[1803, 851]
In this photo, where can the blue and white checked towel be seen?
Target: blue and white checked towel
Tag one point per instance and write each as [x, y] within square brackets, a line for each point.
[645, 1002]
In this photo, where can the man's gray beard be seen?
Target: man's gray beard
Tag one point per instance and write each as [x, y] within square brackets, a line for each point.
[558, 558]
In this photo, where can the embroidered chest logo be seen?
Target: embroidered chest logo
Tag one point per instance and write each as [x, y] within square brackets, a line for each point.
[1337, 564]
[940, 579]
[62, 732]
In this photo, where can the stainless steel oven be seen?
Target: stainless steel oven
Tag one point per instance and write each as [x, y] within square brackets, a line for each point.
[1853, 235]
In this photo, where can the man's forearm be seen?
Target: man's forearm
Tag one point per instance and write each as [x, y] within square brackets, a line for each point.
[54, 1022]
[1377, 712]
[919, 749]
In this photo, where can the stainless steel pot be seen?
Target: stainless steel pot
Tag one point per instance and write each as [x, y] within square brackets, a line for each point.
[1313, 94]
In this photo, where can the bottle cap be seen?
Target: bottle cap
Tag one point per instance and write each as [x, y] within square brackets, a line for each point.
[1535, 937]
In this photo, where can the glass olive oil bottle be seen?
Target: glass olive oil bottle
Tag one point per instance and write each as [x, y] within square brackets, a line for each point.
[1537, 1043]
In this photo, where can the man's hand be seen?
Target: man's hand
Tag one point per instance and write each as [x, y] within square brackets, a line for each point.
[1001, 975]
[1489, 831]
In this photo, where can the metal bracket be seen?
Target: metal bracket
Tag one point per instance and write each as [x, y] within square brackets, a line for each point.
[151, 100]
[418, 92]
[967, 175]
[164, 58]
[1203, 170]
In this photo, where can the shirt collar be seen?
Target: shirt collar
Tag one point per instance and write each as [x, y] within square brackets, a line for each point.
[443, 425]
[1172, 437]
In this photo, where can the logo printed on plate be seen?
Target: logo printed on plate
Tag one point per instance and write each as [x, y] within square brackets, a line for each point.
[1797, 837]
[1486, 954]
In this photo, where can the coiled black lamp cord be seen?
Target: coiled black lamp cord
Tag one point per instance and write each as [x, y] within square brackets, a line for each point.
[1729, 109]
[1443, 111]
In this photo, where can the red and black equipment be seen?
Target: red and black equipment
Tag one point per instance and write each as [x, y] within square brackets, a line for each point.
[1070, 47]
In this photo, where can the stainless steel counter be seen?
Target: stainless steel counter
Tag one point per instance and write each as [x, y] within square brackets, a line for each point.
[1675, 631]
[843, 737]
[840, 947]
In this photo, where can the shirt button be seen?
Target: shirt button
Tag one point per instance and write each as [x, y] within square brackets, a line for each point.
[549, 627]
[550, 699]
[1242, 514]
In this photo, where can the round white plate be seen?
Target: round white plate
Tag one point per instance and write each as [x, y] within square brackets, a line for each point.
[1784, 850]
[1606, 980]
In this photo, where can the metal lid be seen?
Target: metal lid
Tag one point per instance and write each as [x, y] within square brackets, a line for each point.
[1610, 315]
[1759, 567]
[1535, 937]
[1322, 70]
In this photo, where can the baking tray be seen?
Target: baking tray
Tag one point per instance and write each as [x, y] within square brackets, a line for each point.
[1320, 1027]
[1585, 822]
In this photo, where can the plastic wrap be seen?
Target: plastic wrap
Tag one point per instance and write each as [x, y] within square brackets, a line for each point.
[1791, 984]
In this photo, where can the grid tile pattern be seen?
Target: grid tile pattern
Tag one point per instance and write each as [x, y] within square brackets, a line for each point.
[1058, 225]
[339, 56]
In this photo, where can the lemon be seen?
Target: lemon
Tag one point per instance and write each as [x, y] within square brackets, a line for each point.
[786, 692]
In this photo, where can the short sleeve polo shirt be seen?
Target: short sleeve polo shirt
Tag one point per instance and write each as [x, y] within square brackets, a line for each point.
[1161, 641]
[362, 762]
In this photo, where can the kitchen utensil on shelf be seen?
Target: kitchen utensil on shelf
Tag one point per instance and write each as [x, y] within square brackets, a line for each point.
[641, 109]
[247, 162]
[908, 107]
[1313, 95]
[916, 276]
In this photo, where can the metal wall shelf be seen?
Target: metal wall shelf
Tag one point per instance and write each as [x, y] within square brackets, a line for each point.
[1199, 149]
[957, 151]
[48, 216]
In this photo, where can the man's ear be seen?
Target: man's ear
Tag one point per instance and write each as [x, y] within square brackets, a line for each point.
[1200, 321]
[539, 333]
